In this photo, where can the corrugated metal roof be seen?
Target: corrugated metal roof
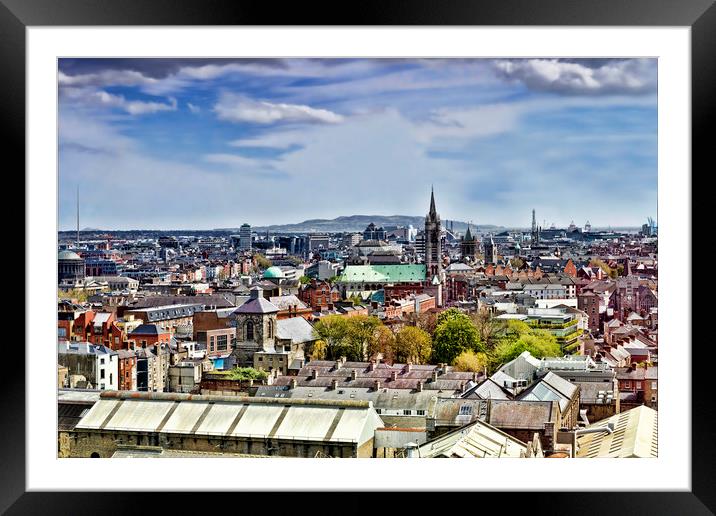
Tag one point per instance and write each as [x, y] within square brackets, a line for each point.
[636, 434]
[477, 440]
[320, 420]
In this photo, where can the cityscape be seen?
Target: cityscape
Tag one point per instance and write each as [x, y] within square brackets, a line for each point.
[477, 324]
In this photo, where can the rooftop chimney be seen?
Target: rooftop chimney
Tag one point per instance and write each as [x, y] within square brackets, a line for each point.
[293, 383]
[314, 374]
[338, 364]
[420, 386]
[408, 366]
[371, 366]
[354, 374]
[435, 375]
[394, 375]
[334, 385]
[377, 385]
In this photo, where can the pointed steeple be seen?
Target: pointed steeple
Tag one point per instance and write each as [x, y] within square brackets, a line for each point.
[433, 211]
[468, 235]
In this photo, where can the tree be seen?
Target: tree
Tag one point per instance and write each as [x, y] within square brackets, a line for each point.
[246, 373]
[596, 262]
[540, 343]
[382, 343]
[360, 334]
[261, 261]
[450, 313]
[517, 263]
[426, 321]
[304, 280]
[347, 336]
[455, 334]
[413, 345]
[472, 362]
[356, 299]
[80, 295]
[317, 350]
[488, 327]
[331, 330]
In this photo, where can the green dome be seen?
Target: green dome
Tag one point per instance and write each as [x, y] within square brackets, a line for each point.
[68, 255]
[274, 272]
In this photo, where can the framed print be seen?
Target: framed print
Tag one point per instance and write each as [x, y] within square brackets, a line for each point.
[268, 240]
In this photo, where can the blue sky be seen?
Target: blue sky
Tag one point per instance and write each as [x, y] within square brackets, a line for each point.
[210, 143]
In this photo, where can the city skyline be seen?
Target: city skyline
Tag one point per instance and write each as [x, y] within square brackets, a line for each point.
[203, 144]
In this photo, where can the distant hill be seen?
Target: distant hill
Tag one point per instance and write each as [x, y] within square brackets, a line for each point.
[358, 223]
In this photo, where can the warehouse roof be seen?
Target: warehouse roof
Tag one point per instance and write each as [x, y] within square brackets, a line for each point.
[311, 420]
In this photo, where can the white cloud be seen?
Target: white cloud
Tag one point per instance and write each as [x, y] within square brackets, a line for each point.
[106, 78]
[194, 109]
[627, 76]
[235, 160]
[103, 98]
[237, 108]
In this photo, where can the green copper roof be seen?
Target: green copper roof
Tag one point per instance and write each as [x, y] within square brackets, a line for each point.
[274, 272]
[404, 273]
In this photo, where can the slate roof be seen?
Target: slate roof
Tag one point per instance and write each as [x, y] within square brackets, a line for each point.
[284, 302]
[147, 329]
[297, 329]
[513, 414]
[257, 305]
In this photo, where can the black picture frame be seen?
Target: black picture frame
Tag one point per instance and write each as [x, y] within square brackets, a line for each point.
[699, 15]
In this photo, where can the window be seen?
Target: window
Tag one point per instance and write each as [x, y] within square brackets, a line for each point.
[101, 361]
[638, 385]
[421, 412]
[653, 386]
[101, 373]
[222, 342]
[249, 330]
[627, 385]
[110, 378]
[465, 410]
[407, 412]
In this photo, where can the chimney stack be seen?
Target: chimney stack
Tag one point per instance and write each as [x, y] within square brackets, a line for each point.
[294, 383]
[371, 367]
[377, 385]
[435, 375]
[393, 375]
[474, 376]
[337, 365]
[420, 386]
[314, 374]
[354, 374]
[408, 366]
[334, 385]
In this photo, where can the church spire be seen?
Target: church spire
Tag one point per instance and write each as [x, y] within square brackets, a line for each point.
[433, 211]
